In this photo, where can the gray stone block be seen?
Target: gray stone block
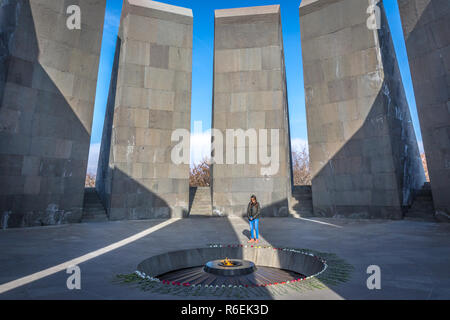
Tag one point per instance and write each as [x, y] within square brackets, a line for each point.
[250, 93]
[149, 98]
[425, 27]
[51, 82]
[357, 111]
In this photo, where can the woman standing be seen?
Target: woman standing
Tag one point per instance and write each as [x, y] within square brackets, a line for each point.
[253, 212]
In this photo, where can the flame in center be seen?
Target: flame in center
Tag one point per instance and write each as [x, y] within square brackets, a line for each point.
[227, 262]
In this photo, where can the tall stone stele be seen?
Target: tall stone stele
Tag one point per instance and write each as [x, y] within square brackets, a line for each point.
[150, 97]
[250, 94]
[48, 77]
[426, 27]
[364, 156]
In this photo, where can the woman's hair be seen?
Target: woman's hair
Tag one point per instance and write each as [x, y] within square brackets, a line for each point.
[254, 197]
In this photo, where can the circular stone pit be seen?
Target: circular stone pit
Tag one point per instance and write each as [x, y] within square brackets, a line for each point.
[258, 266]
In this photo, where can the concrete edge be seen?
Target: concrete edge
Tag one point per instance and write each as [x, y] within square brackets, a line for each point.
[247, 11]
[308, 6]
[159, 6]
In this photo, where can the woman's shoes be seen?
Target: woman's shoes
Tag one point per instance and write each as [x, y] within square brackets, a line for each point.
[256, 241]
[251, 241]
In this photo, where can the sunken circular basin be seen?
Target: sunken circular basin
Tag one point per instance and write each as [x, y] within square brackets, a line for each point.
[247, 266]
[230, 268]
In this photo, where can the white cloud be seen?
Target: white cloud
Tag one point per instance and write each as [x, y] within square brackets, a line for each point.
[298, 144]
[200, 146]
[94, 153]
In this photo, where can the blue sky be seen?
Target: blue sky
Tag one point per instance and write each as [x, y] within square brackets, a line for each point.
[203, 44]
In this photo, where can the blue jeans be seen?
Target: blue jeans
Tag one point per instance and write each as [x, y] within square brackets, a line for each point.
[254, 226]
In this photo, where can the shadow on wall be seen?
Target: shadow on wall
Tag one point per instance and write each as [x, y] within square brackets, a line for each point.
[375, 171]
[123, 197]
[131, 200]
[192, 193]
[103, 177]
[44, 137]
[273, 209]
[427, 46]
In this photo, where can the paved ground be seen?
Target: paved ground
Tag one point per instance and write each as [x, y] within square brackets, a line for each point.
[414, 257]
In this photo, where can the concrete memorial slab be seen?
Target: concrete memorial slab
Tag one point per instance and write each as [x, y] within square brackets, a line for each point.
[150, 97]
[364, 156]
[49, 56]
[250, 103]
[426, 27]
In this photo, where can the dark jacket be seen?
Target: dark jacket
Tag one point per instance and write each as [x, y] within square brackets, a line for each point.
[253, 212]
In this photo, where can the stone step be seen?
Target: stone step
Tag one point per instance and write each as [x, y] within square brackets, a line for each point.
[201, 213]
[202, 207]
[305, 192]
[300, 214]
[422, 206]
[301, 189]
[205, 202]
[202, 200]
[423, 193]
[89, 200]
[96, 204]
[95, 219]
[93, 210]
[427, 186]
[303, 209]
[202, 197]
[97, 213]
[201, 203]
[301, 202]
[306, 201]
[202, 210]
[301, 198]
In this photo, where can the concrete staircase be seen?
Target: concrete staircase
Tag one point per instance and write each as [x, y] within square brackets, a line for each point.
[422, 207]
[200, 202]
[93, 210]
[301, 202]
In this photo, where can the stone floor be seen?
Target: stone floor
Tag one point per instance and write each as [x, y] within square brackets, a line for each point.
[414, 257]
